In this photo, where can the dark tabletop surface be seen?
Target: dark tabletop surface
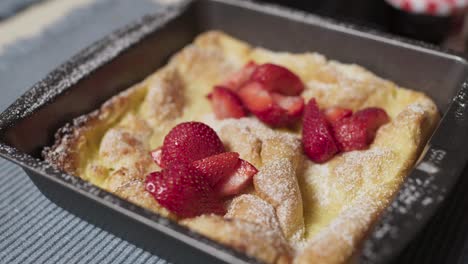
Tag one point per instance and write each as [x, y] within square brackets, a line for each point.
[34, 230]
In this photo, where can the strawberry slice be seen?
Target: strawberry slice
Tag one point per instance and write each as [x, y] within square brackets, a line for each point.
[293, 105]
[238, 180]
[183, 191]
[358, 131]
[188, 142]
[273, 109]
[336, 113]
[239, 78]
[226, 103]
[278, 79]
[255, 97]
[285, 111]
[156, 155]
[317, 135]
[217, 167]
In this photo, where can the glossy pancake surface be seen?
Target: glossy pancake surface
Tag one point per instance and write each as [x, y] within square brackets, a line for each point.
[302, 211]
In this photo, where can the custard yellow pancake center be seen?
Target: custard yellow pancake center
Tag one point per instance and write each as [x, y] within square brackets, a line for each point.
[304, 211]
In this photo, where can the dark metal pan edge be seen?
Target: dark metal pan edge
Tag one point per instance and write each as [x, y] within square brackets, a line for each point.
[336, 25]
[426, 187]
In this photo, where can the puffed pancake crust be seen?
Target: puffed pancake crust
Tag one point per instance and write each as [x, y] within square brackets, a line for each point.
[297, 211]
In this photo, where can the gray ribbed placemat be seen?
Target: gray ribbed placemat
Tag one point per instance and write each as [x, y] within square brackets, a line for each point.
[35, 230]
[32, 228]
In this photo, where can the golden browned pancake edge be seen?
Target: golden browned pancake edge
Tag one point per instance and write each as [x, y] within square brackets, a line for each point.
[296, 211]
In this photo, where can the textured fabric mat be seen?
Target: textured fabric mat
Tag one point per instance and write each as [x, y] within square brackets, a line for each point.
[35, 230]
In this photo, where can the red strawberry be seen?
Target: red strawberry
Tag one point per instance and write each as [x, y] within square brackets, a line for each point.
[226, 103]
[317, 135]
[150, 181]
[278, 79]
[156, 155]
[336, 113]
[272, 108]
[183, 191]
[238, 180]
[277, 116]
[239, 78]
[255, 97]
[216, 167]
[358, 131]
[293, 105]
[188, 142]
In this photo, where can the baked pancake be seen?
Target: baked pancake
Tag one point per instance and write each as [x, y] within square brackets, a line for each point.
[296, 210]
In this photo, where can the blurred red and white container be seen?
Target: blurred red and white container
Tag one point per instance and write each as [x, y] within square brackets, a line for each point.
[429, 20]
[430, 7]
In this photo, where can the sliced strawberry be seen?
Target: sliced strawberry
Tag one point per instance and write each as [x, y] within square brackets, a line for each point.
[238, 180]
[273, 116]
[239, 78]
[336, 113]
[293, 105]
[188, 142]
[272, 108]
[277, 116]
[226, 103]
[151, 178]
[278, 79]
[182, 190]
[317, 135]
[156, 154]
[375, 117]
[358, 131]
[255, 97]
[216, 167]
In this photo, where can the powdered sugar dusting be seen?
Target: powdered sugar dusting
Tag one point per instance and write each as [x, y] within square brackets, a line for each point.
[252, 208]
[417, 108]
[335, 180]
[317, 175]
[252, 124]
[357, 163]
[276, 182]
[345, 225]
[254, 239]
[314, 84]
[419, 191]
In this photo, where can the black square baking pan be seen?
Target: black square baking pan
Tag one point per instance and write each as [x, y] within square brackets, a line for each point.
[130, 54]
